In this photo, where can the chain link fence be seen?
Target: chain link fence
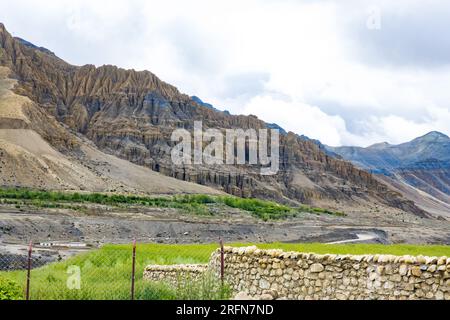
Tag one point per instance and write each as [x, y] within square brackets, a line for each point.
[112, 272]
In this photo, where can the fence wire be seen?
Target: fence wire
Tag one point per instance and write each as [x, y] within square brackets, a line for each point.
[106, 273]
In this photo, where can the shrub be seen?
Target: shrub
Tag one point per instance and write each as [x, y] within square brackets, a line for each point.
[260, 208]
[9, 290]
[200, 198]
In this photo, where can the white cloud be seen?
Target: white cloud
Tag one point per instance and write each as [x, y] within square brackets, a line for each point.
[310, 66]
[397, 130]
[309, 120]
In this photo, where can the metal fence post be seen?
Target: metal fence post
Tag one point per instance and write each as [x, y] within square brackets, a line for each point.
[30, 248]
[222, 262]
[133, 271]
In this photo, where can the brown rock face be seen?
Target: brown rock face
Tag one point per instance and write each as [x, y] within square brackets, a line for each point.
[132, 115]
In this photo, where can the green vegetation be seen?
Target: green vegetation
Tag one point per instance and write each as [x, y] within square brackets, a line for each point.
[208, 288]
[262, 209]
[200, 253]
[105, 273]
[198, 204]
[9, 290]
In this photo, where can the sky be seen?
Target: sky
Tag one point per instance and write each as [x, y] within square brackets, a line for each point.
[346, 72]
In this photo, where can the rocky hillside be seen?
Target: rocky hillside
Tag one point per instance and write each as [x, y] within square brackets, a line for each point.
[422, 164]
[132, 115]
[28, 160]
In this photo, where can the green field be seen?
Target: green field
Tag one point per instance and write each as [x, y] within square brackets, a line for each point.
[196, 204]
[200, 253]
[106, 272]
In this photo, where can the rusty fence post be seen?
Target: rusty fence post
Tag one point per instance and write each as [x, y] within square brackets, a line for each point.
[133, 271]
[222, 262]
[27, 293]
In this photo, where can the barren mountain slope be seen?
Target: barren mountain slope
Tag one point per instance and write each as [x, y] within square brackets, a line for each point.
[26, 159]
[421, 198]
[132, 115]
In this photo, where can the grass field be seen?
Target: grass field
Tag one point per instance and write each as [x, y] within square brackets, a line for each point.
[200, 253]
[106, 272]
[197, 204]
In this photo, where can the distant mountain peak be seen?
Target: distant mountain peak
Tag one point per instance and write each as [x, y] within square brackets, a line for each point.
[380, 145]
[423, 163]
[388, 156]
[208, 105]
[435, 135]
[201, 102]
[276, 127]
[31, 45]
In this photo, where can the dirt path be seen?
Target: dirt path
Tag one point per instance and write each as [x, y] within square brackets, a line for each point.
[361, 237]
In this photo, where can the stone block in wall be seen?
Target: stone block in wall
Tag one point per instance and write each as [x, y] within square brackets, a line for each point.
[173, 274]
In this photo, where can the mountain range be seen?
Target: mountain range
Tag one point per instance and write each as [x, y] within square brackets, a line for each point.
[108, 129]
[419, 168]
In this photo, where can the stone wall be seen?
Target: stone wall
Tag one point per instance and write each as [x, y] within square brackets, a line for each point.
[172, 274]
[292, 275]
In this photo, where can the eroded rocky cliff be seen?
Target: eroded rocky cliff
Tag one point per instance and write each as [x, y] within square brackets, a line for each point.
[132, 115]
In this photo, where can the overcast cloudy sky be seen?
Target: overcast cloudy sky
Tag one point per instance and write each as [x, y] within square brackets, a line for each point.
[345, 72]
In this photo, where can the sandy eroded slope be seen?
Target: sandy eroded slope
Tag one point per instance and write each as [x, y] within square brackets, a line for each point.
[26, 159]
